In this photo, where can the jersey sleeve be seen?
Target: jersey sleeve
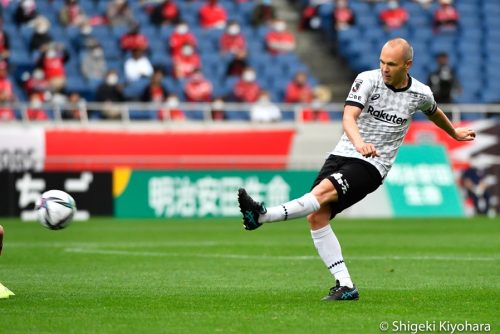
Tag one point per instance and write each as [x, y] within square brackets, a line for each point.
[360, 90]
[428, 105]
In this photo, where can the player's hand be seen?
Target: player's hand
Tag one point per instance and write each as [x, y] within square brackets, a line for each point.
[368, 150]
[464, 134]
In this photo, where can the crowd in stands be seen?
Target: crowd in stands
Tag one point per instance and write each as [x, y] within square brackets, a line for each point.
[456, 42]
[164, 52]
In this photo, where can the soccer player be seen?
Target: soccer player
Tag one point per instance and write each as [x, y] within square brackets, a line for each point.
[377, 115]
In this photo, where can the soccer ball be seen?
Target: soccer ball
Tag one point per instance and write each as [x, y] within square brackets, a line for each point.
[55, 209]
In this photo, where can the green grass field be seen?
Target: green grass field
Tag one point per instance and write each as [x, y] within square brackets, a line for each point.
[206, 276]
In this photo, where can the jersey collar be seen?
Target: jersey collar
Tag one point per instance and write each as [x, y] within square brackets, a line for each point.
[400, 89]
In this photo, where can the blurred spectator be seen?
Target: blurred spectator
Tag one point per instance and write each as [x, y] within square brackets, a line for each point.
[138, 66]
[198, 88]
[133, 39]
[119, 13]
[217, 109]
[4, 43]
[232, 40]
[263, 13]
[52, 62]
[108, 92]
[73, 107]
[171, 110]
[165, 13]
[315, 111]
[309, 18]
[35, 109]
[155, 91]
[180, 37]
[475, 181]
[41, 37]
[343, 16]
[237, 65]
[264, 110]
[279, 40]
[446, 16]
[71, 14]
[212, 15]
[185, 63]
[246, 89]
[426, 4]
[93, 63]
[6, 94]
[394, 16]
[298, 90]
[25, 12]
[37, 84]
[84, 39]
[443, 80]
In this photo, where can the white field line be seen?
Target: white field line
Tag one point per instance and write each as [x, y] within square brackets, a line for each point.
[276, 257]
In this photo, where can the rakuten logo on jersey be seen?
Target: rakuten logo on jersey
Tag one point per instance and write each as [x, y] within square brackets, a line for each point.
[381, 115]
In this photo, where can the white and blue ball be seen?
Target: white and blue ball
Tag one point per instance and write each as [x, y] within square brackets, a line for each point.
[55, 209]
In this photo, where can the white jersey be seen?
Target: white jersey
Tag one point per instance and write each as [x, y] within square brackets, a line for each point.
[385, 117]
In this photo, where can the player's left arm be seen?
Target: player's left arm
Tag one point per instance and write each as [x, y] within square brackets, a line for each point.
[461, 134]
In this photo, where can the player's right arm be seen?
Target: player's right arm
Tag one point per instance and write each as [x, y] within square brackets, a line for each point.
[351, 114]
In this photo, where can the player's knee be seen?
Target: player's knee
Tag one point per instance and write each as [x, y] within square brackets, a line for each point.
[325, 192]
[317, 221]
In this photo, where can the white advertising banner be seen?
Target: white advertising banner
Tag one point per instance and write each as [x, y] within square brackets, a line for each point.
[22, 149]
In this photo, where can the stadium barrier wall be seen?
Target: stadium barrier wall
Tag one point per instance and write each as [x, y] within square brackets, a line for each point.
[422, 185]
[91, 190]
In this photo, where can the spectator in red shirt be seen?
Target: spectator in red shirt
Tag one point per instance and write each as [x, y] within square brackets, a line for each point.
[6, 94]
[186, 62]
[247, 89]
[343, 16]
[180, 37]
[394, 16]
[198, 88]
[232, 40]
[37, 84]
[171, 110]
[315, 111]
[155, 92]
[279, 40]
[212, 15]
[298, 90]
[52, 62]
[133, 39]
[446, 16]
[35, 109]
[166, 13]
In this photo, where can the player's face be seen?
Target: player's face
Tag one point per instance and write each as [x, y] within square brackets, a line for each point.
[393, 66]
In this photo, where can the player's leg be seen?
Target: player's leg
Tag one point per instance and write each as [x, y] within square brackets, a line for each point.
[1, 239]
[329, 250]
[254, 214]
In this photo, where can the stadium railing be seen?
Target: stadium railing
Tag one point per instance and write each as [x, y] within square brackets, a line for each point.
[201, 112]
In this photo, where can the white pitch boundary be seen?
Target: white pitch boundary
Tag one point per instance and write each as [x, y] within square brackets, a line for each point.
[276, 257]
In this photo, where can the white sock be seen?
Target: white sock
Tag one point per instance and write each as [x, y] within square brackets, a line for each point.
[329, 250]
[296, 208]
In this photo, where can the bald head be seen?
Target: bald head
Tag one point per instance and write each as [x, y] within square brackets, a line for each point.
[402, 46]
